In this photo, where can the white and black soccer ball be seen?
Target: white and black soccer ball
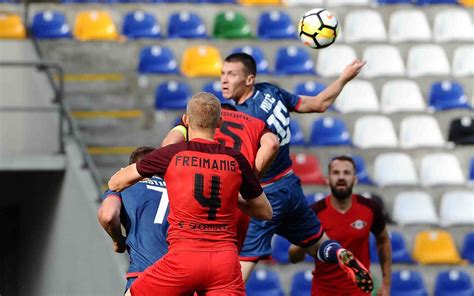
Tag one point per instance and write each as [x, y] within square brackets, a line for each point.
[318, 28]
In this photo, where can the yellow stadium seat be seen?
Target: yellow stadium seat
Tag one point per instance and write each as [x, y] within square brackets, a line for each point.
[11, 26]
[260, 2]
[201, 61]
[467, 3]
[95, 25]
[435, 247]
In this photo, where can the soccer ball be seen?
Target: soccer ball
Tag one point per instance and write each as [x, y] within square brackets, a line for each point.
[318, 28]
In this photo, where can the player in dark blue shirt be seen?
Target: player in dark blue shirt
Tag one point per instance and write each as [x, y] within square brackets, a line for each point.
[142, 209]
[292, 218]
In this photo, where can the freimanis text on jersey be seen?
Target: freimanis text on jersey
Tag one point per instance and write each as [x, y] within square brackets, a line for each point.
[206, 163]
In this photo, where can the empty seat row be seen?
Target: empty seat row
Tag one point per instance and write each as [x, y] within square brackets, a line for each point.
[392, 169]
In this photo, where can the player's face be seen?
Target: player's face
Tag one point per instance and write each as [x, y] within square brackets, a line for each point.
[234, 80]
[341, 178]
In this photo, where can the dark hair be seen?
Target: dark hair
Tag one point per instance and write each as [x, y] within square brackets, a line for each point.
[139, 153]
[247, 60]
[342, 158]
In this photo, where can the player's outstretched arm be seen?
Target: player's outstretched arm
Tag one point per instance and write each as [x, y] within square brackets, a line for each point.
[109, 219]
[384, 250]
[296, 254]
[258, 208]
[322, 101]
[124, 178]
[266, 154]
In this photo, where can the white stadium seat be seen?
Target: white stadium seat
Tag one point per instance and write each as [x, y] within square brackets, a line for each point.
[463, 61]
[394, 169]
[332, 60]
[382, 60]
[453, 25]
[414, 207]
[364, 25]
[440, 169]
[347, 2]
[374, 131]
[409, 25]
[357, 96]
[420, 131]
[303, 2]
[427, 60]
[457, 208]
[401, 96]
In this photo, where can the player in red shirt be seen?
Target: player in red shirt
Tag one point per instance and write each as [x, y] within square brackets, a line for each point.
[349, 219]
[203, 179]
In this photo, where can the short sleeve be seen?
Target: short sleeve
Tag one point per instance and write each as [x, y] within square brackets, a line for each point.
[250, 187]
[290, 100]
[157, 162]
[108, 193]
[378, 224]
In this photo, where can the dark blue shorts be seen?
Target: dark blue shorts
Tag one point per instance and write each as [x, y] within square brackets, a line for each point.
[292, 219]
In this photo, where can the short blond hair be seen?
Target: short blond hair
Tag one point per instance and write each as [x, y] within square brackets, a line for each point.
[204, 111]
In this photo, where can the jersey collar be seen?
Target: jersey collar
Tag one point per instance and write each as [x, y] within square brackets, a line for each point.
[204, 141]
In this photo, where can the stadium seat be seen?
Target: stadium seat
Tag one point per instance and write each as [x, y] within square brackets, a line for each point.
[467, 3]
[334, 59]
[315, 197]
[453, 283]
[457, 208]
[461, 130]
[463, 61]
[307, 167]
[309, 88]
[395, 1]
[231, 25]
[50, 25]
[436, 2]
[420, 131]
[445, 95]
[302, 2]
[301, 283]
[218, 1]
[264, 282]
[364, 25]
[468, 247]
[275, 24]
[140, 24]
[348, 2]
[201, 61]
[293, 60]
[399, 250]
[186, 24]
[440, 169]
[11, 26]
[471, 171]
[357, 96]
[280, 246]
[409, 25]
[414, 207]
[435, 247]
[453, 25]
[361, 172]
[394, 169]
[329, 131]
[407, 282]
[214, 87]
[257, 54]
[297, 136]
[94, 25]
[382, 60]
[260, 2]
[401, 96]
[172, 95]
[157, 60]
[374, 131]
[427, 60]
[374, 257]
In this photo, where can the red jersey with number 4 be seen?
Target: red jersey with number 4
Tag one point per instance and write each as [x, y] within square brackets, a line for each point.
[351, 229]
[241, 132]
[203, 179]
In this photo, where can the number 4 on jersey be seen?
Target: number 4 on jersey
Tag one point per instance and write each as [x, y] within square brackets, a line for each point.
[213, 202]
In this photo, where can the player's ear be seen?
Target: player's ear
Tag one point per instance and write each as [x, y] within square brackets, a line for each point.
[250, 80]
[185, 119]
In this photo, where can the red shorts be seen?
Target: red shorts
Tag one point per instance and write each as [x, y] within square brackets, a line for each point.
[183, 272]
[315, 291]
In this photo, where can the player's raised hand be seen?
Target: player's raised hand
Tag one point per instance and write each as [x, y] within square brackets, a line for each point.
[352, 70]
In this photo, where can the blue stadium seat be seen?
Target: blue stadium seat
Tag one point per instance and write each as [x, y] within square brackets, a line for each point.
[373, 249]
[468, 247]
[361, 172]
[297, 136]
[407, 282]
[436, 2]
[453, 283]
[399, 250]
[264, 282]
[50, 25]
[293, 60]
[257, 54]
[140, 24]
[275, 25]
[214, 87]
[396, 1]
[329, 131]
[445, 95]
[218, 1]
[172, 95]
[301, 283]
[186, 25]
[157, 60]
[309, 88]
[280, 246]
[471, 171]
